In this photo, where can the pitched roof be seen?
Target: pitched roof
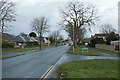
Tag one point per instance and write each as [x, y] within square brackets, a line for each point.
[103, 34]
[19, 38]
[100, 34]
[36, 39]
[26, 39]
[8, 37]
[86, 39]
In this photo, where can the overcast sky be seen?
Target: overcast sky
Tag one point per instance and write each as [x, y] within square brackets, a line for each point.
[26, 10]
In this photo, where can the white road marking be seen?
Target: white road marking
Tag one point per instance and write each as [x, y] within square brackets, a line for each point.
[47, 72]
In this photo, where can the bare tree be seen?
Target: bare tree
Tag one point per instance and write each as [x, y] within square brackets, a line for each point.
[56, 35]
[40, 26]
[80, 32]
[78, 15]
[107, 28]
[7, 14]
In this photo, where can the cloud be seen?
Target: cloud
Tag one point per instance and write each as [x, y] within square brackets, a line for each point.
[26, 10]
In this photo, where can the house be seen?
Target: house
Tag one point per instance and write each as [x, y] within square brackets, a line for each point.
[8, 40]
[47, 41]
[113, 44]
[23, 40]
[103, 36]
[100, 36]
[116, 44]
[26, 41]
[86, 40]
[8, 37]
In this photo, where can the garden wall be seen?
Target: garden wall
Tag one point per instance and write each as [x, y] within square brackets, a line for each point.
[107, 47]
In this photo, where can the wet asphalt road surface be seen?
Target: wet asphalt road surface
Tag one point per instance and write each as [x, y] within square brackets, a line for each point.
[32, 65]
[35, 64]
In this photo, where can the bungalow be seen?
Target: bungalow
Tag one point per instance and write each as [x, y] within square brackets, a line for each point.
[8, 37]
[23, 40]
[47, 41]
[100, 36]
[103, 36]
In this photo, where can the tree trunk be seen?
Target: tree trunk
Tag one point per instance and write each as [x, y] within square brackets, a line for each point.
[39, 43]
[2, 25]
[56, 41]
[40, 38]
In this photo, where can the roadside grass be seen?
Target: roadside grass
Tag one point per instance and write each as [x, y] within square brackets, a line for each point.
[45, 46]
[78, 50]
[108, 51]
[24, 49]
[89, 69]
[18, 49]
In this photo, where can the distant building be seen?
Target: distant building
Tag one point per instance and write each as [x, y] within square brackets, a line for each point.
[86, 40]
[24, 40]
[47, 41]
[116, 44]
[8, 37]
[70, 43]
[100, 35]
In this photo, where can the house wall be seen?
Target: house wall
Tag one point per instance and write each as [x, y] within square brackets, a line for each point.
[107, 47]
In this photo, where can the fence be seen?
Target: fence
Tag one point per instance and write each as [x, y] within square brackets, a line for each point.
[107, 47]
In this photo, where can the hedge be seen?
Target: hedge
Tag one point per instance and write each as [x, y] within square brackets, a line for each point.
[6, 44]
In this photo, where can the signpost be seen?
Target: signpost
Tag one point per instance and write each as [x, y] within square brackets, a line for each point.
[84, 49]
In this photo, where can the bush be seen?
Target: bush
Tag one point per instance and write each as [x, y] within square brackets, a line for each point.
[96, 41]
[6, 44]
[32, 44]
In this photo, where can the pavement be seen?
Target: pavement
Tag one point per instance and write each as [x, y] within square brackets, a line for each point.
[6, 55]
[42, 64]
[14, 54]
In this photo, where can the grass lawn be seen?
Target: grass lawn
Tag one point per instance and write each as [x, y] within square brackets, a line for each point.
[18, 49]
[78, 50]
[107, 51]
[23, 49]
[90, 69]
[45, 46]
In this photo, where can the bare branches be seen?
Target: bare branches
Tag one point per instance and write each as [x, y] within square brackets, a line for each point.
[107, 29]
[56, 35]
[75, 16]
[7, 13]
[79, 14]
[40, 25]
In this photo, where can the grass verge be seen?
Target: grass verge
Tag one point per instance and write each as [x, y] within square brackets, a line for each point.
[107, 51]
[78, 50]
[89, 69]
[18, 49]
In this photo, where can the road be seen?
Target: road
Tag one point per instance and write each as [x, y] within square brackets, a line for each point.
[32, 65]
[36, 64]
